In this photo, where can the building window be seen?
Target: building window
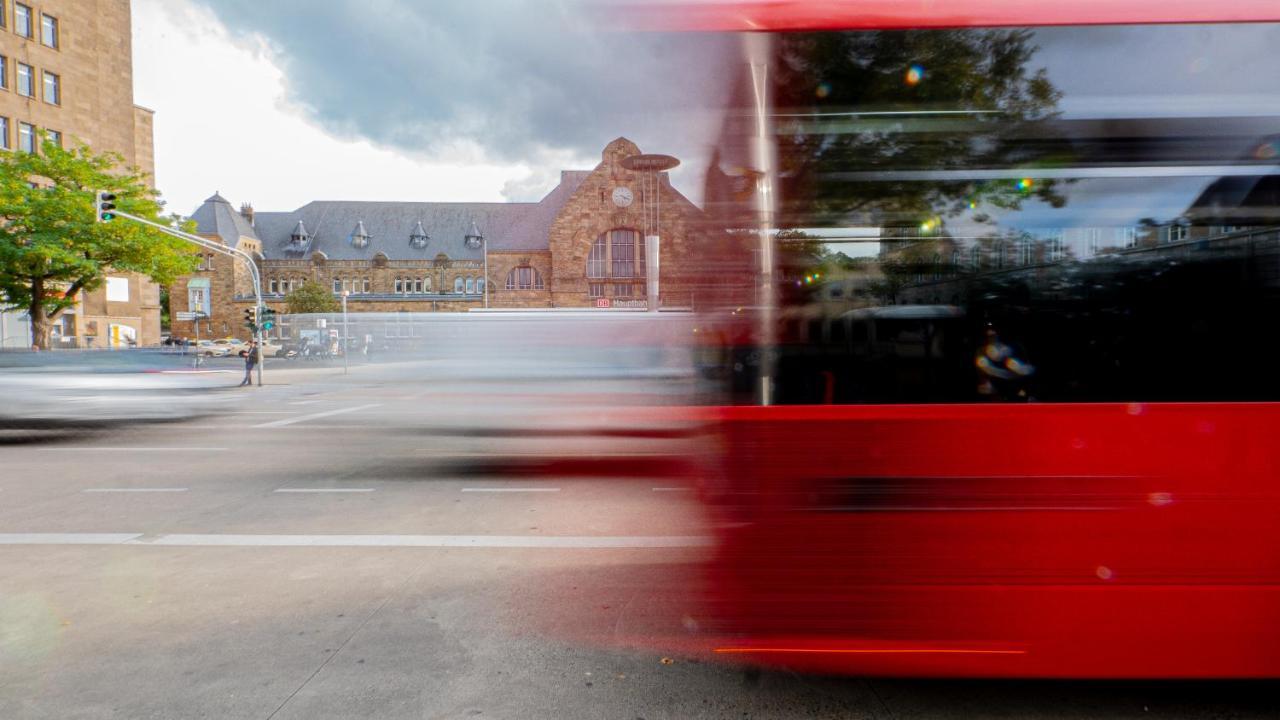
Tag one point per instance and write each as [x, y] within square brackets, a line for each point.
[4, 13]
[480, 285]
[49, 30]
[52, 88]
[617, 254]
[1127, 237]
[55, 136]
[26, 137]
[621, 291]
[198, 300]
[274, 287]
[1026, 251]
[4, 133]
[471, 286]
[975, 257]
[22, 20]
[426, 284]
[458, 285]
[365, 286]
[595, 290]
[399, 286]
[337, 286]
[525, 278]
[1177, 233]
[26, 80]
[117, 289]
[1056, 246]
[4, 71]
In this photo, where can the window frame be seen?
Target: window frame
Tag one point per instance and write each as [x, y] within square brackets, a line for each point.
[4, 73]
[31, 79]
[5, 135]
[17, 30]
[57, 31]
[45, 76]
[603, 263]
[31, 134]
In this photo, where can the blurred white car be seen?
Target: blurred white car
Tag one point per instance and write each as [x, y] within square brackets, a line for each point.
[67, 389]
[210, 348]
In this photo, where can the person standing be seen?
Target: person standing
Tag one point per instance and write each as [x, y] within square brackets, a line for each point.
[250, 361]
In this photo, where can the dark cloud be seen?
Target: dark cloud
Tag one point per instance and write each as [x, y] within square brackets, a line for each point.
[516, 78]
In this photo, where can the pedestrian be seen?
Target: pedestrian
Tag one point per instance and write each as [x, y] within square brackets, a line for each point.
[250, 361]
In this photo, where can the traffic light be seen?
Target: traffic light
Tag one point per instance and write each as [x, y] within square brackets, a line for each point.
[104, 206]
[251, 318]
[268, 318]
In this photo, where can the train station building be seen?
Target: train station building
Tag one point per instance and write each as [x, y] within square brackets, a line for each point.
[580, 246]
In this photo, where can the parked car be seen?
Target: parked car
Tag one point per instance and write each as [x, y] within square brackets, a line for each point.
[210, 348]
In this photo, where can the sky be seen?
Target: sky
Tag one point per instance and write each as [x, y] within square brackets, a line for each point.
[284, 102]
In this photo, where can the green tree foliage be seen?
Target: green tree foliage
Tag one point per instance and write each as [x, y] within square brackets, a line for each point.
[311, 297]
[851, 103]
[51, 246]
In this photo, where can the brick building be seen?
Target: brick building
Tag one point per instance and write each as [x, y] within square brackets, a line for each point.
[580, 246]
[66, 67]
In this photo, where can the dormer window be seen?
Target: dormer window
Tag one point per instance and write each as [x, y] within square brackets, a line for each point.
[359, 237]
[299, 235]
[418, 239]
[474, 239]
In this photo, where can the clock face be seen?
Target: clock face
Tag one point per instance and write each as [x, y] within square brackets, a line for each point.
[622, 196]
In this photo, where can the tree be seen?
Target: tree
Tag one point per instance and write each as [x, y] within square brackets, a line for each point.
[311, 297]
[51, 245]
[851, 107]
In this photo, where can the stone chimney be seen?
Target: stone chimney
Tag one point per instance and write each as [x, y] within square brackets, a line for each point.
[247, 211]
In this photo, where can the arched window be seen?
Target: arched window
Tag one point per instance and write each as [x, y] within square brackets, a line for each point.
[426, 284]
[458, 285]
[617, 255]
[524, 278]
[480, 285]
[471, 286]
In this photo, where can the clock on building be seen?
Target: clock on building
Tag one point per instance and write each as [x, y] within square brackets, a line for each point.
[622, 196]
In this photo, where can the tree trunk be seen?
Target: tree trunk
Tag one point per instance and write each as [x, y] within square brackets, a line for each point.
[39, 319]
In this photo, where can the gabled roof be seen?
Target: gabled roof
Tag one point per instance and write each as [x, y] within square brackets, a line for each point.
[215, 216]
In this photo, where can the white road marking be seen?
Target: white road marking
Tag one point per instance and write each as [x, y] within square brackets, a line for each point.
[324, 490]
[132, 449]
[424, 541]
[305, 402]
[501, 490]
[134, 490]
[67, 538]
[671, 489]
[314, 416]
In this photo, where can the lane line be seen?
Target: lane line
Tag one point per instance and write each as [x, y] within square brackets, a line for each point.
[324, 490]
[67, 538]
[134, 490]
[420, 541]
[314, 416]
[513, 490]
[131, 449]
[305, 402]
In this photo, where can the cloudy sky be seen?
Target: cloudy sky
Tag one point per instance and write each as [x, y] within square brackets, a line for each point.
[282, 102]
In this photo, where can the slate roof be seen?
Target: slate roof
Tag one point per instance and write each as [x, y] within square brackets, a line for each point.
[330, 225]
[216, 217]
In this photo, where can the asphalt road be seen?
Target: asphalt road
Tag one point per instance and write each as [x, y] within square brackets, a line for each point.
[350, 547]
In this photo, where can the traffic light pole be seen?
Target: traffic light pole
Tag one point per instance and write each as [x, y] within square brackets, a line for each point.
[224, 250]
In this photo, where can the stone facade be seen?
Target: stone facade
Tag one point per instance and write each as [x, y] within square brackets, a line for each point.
[430, 257]
[91, 56]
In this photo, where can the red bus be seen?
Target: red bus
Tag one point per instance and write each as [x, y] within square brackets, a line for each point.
[1003, 388]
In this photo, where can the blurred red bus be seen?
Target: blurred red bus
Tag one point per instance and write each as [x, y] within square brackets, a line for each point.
[1004, 386]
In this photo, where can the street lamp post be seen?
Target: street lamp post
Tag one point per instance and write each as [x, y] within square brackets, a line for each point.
[651, 168]
[346, 335]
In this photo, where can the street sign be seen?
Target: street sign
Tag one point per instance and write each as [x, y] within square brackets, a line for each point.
[197, 315]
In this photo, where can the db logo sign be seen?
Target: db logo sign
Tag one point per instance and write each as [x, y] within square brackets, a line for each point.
[602, 302]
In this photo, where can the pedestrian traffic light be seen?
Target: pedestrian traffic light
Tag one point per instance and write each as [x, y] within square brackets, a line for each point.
[251, 318]
[104, 206]
[268, 318]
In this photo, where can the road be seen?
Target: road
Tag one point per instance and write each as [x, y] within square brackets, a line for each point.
[350, 546]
